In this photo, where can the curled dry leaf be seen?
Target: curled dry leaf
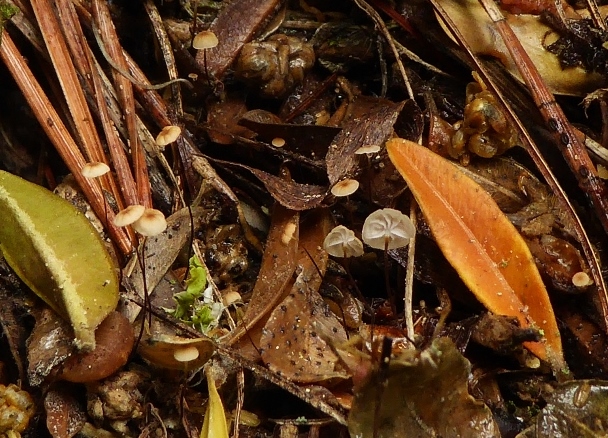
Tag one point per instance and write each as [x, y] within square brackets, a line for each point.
[278, 265]
[480, 242]
[288, 193]
[58, 254]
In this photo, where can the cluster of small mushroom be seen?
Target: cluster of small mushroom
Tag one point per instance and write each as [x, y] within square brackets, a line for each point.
[146, 221]
[383, 229]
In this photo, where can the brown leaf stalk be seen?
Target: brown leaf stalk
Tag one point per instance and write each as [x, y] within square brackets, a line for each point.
[60, 137]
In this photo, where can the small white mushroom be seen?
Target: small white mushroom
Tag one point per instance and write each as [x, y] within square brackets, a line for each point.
[168, 135]
[368, 149]
[342, 242]
[129, 215]
[278, 142]
[204, 40]
[94, 169]
[345, 187]
[186, 354]
[581, 280]
[151, 223]
[387, 229]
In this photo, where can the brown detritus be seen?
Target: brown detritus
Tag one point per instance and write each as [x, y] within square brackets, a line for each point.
[236, 24]
[484, 131]
[114, 342]
[274, 67]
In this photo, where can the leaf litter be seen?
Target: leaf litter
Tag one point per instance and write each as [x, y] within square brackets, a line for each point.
[297, 311]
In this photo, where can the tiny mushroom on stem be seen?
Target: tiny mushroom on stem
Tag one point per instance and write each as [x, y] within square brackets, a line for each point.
[368, 149]
[168, 135]
[128, 215]
[202, 41]
[151, 223]
[95, 169]
[345, 187]
[342, 242]
[388, 229]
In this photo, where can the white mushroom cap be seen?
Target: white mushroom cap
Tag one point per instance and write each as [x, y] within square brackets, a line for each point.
[368, 149]
[151, 223]
[345, 187]
[278, 142]
[342, 242]
[168, 135]
[129, 215]
[581, 280]
[204, 40]
[94, 169]
[186, 354]
[387, 229]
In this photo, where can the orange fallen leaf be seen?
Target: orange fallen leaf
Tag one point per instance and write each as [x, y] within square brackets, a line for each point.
[480, 242]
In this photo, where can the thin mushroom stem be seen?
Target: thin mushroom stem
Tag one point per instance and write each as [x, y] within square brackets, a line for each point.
[389, 293]
[409, 277]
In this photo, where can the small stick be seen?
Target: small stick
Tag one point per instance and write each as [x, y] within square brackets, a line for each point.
[569, 144]
[64, 143]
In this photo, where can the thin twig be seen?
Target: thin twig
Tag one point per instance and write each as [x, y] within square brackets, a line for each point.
[389, 39]
[409, 276]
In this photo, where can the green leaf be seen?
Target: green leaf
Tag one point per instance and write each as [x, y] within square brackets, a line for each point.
[214, 425]
[198, 277]
[58, 254]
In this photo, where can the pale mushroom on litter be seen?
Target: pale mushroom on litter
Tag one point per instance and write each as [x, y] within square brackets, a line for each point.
[129, 215]
[186, 354]
[94, 169]
[175, 352]
[387, 229]
[168, 135]
[342, 242]
[368, 149]
[581, 280]
[151, 223]
[204, 40]
[346, 187]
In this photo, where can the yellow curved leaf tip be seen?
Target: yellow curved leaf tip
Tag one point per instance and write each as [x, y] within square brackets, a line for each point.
[214, 425]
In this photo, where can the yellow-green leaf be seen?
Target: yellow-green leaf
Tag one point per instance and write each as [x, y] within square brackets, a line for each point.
[214, 425]
[480, 243]
[58, 254]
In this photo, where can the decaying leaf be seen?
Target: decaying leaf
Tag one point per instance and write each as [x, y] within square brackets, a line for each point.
[278, 264]
[576, 408]
[214, 425]
[372, 127]
[65, 415]
[58, 254]
[532, 33]
[480, 242]
[425, 394]
[294, 340]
